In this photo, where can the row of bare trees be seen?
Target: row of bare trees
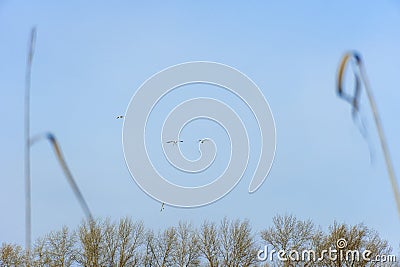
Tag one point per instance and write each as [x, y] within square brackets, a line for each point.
[230, 243]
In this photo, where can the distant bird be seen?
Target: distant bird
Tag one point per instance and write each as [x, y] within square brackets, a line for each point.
[174, 142]
[120, 117]
[162, 207]
[201, 141]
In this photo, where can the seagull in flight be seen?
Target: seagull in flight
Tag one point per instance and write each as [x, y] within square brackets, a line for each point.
[162, 207]
[201, 141]
[174, 142]
[120, 117]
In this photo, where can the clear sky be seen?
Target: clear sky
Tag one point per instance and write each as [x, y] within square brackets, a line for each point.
[91, 58]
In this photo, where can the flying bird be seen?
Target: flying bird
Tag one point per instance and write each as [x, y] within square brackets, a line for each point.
[174, 142]
[162, 207]
[120, 117]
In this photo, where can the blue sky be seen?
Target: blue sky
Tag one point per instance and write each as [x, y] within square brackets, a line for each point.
[91, 58]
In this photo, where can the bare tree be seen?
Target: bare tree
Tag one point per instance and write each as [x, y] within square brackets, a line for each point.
[103, 243]
[122, 242]
[237, 243]
[92, 250]
[186, 252]
[111, 242]
[350, 242]
[160, 248]
[290, 234]
[130, 237]
[40, 256]
[60, 248]
[343, 245]
[148, 257]
[209, 243]
[11, 255]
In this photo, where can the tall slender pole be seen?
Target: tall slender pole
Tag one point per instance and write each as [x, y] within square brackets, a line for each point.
[382, 138]
[27, 143]
[354, 99]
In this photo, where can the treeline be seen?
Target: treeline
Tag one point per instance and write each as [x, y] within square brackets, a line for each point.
[230, 243]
